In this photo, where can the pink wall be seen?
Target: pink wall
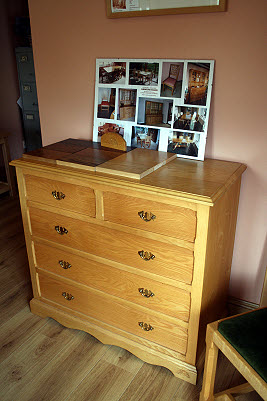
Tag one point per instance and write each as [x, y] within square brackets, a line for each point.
[68, 35]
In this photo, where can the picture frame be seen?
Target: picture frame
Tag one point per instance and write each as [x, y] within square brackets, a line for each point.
[156, 104]
[142, 8]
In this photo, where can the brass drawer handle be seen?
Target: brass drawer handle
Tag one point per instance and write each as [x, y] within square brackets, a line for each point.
[145, 326]
[64, 265]
[58, 195]
[67, 296]
[61, 230]
[146, 216]
[146, 255]
[146, 293]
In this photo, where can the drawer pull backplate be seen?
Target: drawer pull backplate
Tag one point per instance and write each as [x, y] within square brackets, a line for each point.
[145, 326]
[58, 195]
[61, 230]
[146, 216]
[146, 293]
[67, 296]
[146, 255]
[64, 264]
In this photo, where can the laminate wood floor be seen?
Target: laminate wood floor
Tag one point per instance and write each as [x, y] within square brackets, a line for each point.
[40, 360]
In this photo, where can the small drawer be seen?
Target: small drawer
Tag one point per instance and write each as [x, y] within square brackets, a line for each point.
[61, 194]
[142, 253]
[138, 321]
[157, 217]
[122, 284]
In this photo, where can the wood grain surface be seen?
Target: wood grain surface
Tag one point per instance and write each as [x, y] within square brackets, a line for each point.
[42, 360]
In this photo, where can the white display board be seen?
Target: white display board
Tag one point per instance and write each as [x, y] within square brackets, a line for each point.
[155, 104]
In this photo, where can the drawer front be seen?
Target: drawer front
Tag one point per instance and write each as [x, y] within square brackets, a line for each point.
[152, 216]
[132, 287]
[163, 259]
[116, 313]
[61, 194]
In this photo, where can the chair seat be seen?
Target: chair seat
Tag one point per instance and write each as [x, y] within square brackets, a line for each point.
[247, 334]
[170, 81]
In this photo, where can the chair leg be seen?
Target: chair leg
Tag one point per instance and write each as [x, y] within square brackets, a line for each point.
[207, 392]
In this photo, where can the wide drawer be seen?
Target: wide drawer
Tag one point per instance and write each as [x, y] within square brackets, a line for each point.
[132, 287]
[173, 221]
[61, 194]
[116, 312]
[142, 253]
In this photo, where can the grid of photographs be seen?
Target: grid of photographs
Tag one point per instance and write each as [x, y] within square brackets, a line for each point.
[155, 104]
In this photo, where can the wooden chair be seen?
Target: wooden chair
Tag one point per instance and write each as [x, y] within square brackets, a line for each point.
[242, 339]
[172, 78]
[8, 186]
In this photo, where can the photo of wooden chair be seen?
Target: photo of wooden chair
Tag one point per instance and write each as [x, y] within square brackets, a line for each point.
[172, 78]
[104, 104]
[242, 339]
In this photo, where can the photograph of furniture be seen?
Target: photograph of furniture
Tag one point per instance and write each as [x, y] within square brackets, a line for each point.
[198, 78]
[127, 104]
[106, 102]
[143, 74]
[112, 72]
[190, 118]
[99, 247]
[184, 143]
[119, 4]
[247, 352]
[170, 82]
[148, 8]
[109, 127]
[156, 112]
[144, 137]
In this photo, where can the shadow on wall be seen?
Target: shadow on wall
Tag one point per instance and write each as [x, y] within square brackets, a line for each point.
[262, 265]
[244, 284]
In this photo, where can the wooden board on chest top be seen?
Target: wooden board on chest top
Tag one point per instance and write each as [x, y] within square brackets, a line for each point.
[91, 156]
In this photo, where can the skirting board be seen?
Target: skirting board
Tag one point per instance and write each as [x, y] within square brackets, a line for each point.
[236, 306]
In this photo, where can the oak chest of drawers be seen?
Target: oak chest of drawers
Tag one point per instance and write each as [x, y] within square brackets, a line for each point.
[141, 264]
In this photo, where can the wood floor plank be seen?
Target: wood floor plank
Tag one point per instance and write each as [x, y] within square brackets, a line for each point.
[12, 225]
[109, 378]
[11, 242]
[8, 207]
[9, 215]
[17, 330]
[57, 380]
[186, 391]
[14, 272]
[14, 300]
[151, 383]
[18, 370]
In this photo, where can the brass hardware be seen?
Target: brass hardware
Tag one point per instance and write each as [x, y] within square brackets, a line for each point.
[146, 216]
[67, 296]
[146, 255]
[58, 195]
[61, 230]
[146, 293]
[64, 265]
[145, 326]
